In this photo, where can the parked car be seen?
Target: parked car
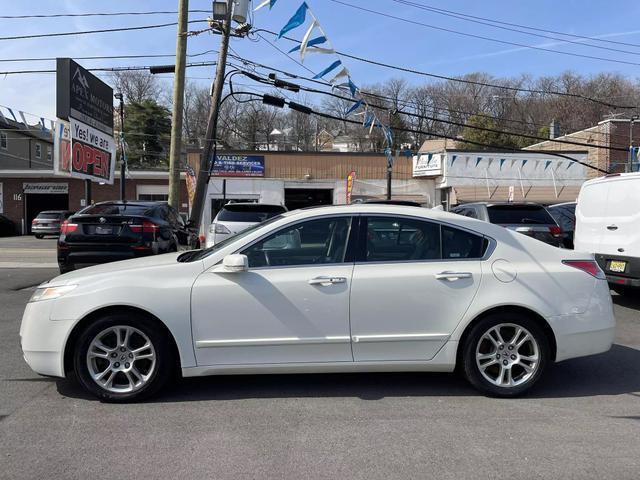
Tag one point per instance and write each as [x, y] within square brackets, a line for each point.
[235, 217]
[49, 222]
[565, 216]
[351, 288]
[111, 231]
[406, 203]
[608, 225]
[530, 219]
[7, 227]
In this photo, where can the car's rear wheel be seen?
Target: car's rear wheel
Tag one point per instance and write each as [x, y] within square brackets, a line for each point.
[123, 357]
[504, 355]
[39, 235]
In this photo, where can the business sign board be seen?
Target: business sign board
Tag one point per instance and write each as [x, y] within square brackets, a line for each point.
[92, 153]
[45, 187]
[86, 103]
[83, 96]
[238, 166]
[62, 148]
[427, 165]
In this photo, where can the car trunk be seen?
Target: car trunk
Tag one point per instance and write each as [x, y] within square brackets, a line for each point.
[106, 229]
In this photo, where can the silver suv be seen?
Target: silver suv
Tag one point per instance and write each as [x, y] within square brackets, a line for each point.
[530, 219]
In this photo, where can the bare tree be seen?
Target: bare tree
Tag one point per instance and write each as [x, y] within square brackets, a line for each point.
[137, 86]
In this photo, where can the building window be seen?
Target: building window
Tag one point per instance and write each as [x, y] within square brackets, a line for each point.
[3, 140]
[38, 150]
[49, 153]
[153, 197]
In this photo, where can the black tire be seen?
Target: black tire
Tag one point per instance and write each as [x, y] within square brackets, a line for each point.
[160, 374]
[470, 347]
[39, 236]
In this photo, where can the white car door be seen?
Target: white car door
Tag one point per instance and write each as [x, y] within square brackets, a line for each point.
[412, 283]
[291, 306]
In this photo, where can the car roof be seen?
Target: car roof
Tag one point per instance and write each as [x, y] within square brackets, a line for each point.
[53, 211]
[503, 204]
[253, 204]
[613, 177]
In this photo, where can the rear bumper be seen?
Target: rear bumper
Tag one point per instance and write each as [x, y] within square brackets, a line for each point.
[45, 230]
[631, 274]
[86, 256]
[588, 333]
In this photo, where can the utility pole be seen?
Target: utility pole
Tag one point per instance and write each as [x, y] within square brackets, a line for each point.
[123, 166]
[178, 104]
[210, 138]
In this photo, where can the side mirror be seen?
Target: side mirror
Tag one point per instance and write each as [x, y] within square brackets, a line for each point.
[234, 263]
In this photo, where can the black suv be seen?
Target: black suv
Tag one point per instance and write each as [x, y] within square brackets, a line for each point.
[530, 219]
[111, 231]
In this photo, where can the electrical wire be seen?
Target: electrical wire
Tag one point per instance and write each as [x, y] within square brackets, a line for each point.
[482, 37]
[105, 57]
[595, 39]
[96, 14]
[487, 23]
[104, 30]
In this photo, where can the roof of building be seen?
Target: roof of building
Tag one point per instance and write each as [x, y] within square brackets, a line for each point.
[34, 131]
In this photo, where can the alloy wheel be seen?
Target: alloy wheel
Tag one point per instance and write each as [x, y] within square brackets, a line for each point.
[507, 355]
[121, 359]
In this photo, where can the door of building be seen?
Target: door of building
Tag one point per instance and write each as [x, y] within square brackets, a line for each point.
[295, 198]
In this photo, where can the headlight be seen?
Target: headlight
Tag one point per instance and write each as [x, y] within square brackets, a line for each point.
[49, 293]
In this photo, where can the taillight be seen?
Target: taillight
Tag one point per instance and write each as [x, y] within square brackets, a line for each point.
[146, 227]
[555, 231]
[588, 266]
[67, 227]
[34, 221]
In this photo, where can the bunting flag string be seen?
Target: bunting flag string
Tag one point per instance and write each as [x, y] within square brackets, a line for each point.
[524, 162]
[294, 22]
[453, 159]
[546, 164]
[342, 78]
[478, 160]
[502, 160]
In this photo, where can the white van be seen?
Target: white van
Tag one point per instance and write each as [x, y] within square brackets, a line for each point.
[608, 225]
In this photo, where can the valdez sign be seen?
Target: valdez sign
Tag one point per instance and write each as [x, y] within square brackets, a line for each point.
[86, 102]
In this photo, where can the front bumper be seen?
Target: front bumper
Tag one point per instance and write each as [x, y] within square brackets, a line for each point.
[42, 340]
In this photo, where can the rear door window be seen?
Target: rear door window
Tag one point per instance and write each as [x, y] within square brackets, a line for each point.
[519, 214]
[49, 216]
[118, 209]
[248, 213]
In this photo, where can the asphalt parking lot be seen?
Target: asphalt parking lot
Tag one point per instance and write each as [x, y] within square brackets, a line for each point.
[582, 421]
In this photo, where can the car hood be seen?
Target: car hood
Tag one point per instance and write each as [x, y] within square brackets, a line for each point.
[115, 267]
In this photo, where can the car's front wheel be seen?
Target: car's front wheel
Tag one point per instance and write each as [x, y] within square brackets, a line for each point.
[123, 357]
[39, 236]
[505, 354]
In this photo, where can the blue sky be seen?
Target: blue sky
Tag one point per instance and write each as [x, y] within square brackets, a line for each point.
[352, 31]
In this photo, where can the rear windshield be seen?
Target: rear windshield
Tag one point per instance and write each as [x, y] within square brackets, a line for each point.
[513, 214]
[117, 209]
[249, 213]
[55, 215]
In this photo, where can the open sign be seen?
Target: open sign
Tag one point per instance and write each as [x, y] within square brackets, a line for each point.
[92, 153]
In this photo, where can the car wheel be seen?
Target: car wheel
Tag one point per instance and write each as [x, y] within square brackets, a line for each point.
[504, 355]
[39, 236]
[123, 357]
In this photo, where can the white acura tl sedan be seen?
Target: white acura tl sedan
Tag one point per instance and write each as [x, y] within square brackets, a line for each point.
[331, 289]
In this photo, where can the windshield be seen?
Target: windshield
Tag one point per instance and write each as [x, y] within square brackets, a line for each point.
[200, 254]
[117, 209]
[514, 214]
[248, 213]
[49, 215]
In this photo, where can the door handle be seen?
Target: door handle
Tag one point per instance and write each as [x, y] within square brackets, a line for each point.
[452, 276]
[326, 281]
[612, 227]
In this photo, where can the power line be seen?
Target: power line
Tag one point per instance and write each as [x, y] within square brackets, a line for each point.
[404, 102]
[481, 37]
[106, 69]
[104, 30]
[464, 17]
[463, 80]
[595, 39]
[94, 14]
[105, 57]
